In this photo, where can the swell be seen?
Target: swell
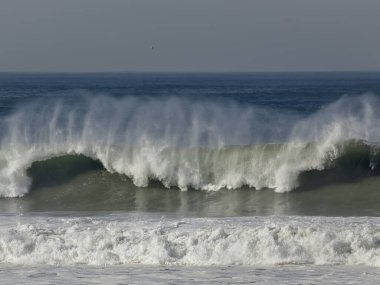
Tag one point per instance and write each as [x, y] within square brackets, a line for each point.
[192, 144]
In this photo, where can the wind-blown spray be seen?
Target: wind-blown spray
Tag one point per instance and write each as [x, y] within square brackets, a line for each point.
[184, 143]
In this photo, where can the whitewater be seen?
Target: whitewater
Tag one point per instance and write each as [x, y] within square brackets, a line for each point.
[118, 239]
[151, 250]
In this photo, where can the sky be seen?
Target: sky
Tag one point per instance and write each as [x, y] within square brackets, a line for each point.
[189, 35]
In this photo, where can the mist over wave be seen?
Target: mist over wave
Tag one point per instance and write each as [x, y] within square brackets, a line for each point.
[185, 143]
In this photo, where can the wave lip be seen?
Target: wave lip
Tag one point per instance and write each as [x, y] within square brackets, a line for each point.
[355, 160]
[185, 144]
[239, 241]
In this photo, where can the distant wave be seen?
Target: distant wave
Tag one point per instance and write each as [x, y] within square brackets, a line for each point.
[187, 144]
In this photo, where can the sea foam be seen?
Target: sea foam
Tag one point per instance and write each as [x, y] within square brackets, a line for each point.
[199, 242]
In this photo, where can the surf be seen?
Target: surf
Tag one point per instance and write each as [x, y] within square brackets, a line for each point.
[115, 239]
[191, 144]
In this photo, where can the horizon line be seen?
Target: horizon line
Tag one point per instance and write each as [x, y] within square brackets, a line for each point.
[187, 72]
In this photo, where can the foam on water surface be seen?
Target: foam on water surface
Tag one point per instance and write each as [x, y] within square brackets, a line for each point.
[146, 274]
[130, 239]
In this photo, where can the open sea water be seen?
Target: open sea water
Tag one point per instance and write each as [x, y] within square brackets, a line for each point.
[157, 178]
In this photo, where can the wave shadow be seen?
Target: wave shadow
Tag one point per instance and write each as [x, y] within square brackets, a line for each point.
[60, 170]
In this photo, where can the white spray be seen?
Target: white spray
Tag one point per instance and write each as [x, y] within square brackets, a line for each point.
[203, 145]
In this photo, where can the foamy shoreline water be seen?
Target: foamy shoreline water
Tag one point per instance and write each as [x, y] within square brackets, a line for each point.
[145, 274]
[130, 239]
[146, 249]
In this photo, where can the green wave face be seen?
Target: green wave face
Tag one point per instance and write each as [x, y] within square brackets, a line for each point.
[353, 160]
[347, 185]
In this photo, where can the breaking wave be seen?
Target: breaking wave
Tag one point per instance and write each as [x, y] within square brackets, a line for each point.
[192, 144]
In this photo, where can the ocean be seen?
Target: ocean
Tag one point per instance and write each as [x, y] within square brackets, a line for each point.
[209, 178]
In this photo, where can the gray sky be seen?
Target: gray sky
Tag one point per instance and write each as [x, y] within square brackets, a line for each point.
[189, 35]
